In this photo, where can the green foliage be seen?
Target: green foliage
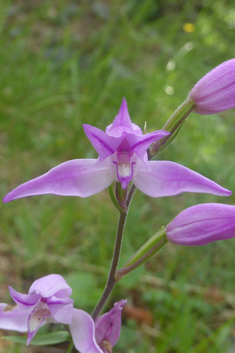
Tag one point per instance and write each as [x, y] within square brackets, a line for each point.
[86, 292]
[43, 340]
[64, 63]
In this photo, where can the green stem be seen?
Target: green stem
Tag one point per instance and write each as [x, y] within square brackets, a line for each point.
[70, 347]
[173, 125]
[116, 253]
[111, 278]
[150, 248]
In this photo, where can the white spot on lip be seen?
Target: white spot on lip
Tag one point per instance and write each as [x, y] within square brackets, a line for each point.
[124, 169]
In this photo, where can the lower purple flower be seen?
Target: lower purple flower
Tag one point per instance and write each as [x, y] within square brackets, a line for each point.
[99, 336]
[47, 301]
[202, 224]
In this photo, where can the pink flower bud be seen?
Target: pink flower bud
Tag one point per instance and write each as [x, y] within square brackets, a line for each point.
[202, 224]
[215, 92]
[108, 327]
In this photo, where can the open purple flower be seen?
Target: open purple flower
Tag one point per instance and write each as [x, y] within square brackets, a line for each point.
[202, 224]
[47, 301]
[122, 150]
[99, 336]
[215, 92]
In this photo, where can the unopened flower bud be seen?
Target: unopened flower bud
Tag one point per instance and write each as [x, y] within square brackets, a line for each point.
[215, 92]
[202, 224]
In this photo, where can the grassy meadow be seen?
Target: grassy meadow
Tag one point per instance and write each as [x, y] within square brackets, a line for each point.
[65, 63]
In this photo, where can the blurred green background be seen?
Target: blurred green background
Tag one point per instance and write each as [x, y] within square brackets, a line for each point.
[64, 63]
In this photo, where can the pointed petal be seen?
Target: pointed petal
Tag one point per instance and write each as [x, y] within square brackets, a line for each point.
[83, 332]
[141, 143]
[123, 117]
[108, 325]
[13, 318]
[202, 224]
[122, 123]
[169, 178]
[49, 285]
[25, 301]
[104, 145]
[78, 177]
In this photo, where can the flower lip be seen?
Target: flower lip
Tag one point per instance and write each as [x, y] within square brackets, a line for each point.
[124, 163]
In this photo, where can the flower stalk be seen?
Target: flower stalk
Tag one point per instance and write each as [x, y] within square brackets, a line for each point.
[150, 248]
[111, 277]
[116, 254]
[173, 125]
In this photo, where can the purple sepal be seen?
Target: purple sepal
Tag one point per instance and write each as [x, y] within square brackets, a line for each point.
[24, 301]
[168, 178]
[13, 318]
[78, 177]
[122, 123]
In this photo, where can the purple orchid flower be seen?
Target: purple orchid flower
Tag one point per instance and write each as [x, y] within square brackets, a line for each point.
[215, 92]
[98, 337]
[47, 301]
[202, 224]
[122, 150]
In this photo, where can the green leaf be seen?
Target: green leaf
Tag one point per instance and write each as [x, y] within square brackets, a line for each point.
[42, 340]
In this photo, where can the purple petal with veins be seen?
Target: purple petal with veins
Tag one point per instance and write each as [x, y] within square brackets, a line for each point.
[103, 144]
[79, 177]
[24, 300]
